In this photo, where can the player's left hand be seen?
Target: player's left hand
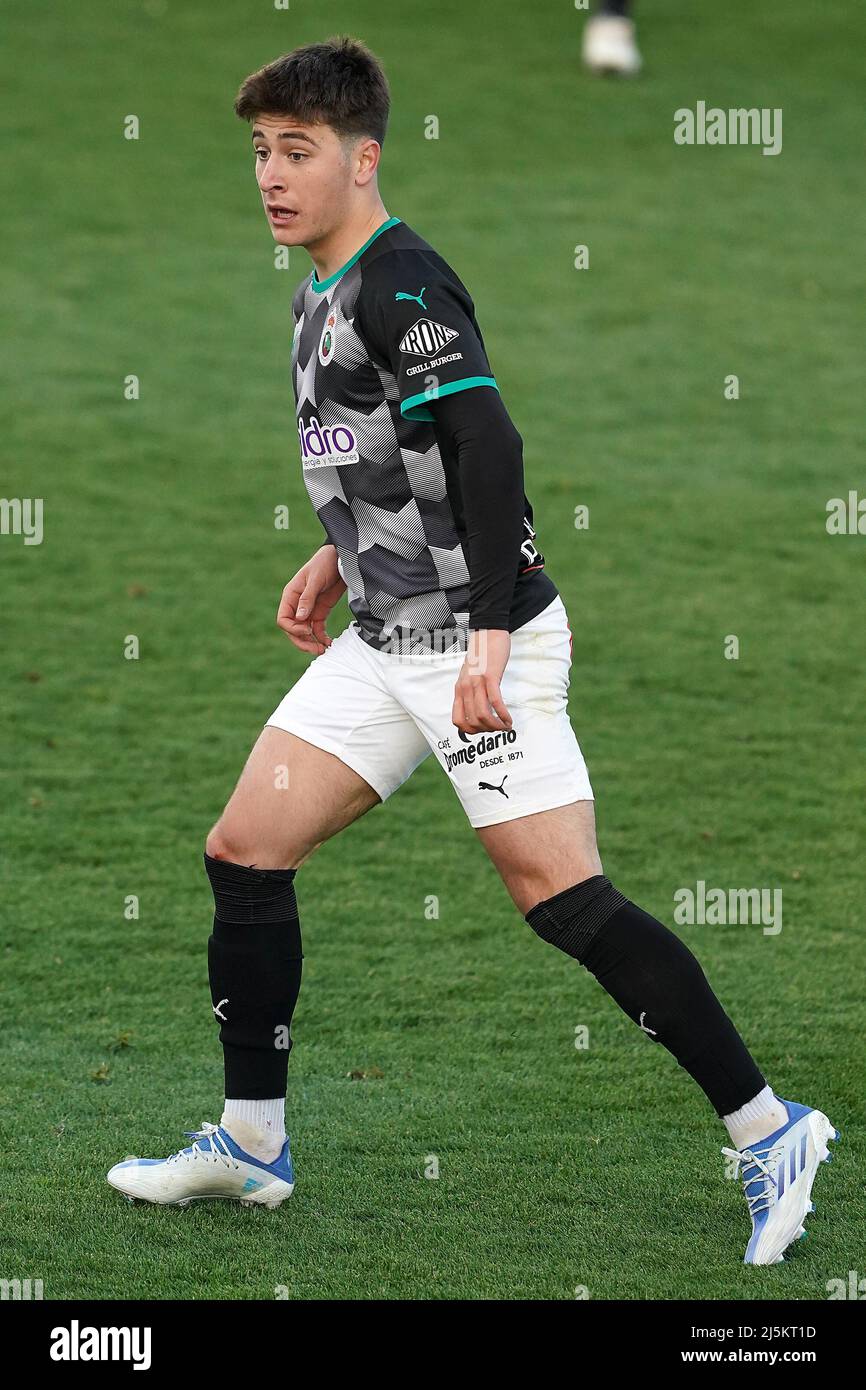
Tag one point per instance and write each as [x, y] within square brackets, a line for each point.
[478, 704]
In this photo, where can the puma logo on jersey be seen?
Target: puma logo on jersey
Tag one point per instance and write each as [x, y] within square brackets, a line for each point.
[418, 298]
[425, 338]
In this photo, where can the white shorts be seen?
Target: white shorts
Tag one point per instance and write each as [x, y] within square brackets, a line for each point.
[383, 713]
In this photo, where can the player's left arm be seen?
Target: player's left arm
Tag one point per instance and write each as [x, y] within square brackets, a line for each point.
[419, 318]
[489, 453]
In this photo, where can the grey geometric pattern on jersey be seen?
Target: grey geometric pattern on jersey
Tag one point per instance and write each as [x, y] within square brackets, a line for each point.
[388, 512]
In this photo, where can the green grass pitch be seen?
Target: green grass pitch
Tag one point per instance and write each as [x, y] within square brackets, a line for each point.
[558, 1168]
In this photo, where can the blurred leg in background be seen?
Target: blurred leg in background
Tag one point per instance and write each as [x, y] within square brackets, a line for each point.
[609, 40]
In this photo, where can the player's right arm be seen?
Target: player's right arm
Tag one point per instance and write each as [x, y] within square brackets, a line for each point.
[307, 600]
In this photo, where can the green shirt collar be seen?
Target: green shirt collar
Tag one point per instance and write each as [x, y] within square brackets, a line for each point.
[319, 285]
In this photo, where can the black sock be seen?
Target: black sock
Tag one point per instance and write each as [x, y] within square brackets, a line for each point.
[656, 980]
[254, 967]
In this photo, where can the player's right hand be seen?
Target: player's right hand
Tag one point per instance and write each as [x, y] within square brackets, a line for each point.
[307, 600]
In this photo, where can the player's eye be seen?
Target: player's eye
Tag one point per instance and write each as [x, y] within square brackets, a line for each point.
[260, 150]
[297, 154]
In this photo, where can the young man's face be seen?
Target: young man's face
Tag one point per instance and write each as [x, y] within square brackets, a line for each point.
[307, 177]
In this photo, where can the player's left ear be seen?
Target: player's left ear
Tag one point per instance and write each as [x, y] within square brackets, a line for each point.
[366, 156]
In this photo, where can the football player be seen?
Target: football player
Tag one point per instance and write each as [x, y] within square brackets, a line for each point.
[459, 646]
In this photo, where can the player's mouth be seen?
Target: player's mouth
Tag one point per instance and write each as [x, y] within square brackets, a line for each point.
[281, 216]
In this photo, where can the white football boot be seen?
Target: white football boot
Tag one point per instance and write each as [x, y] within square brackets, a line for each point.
[214, 1166]
[777, 1174]
[610, 46]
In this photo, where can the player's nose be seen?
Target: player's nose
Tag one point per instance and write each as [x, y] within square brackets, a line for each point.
[268, 177]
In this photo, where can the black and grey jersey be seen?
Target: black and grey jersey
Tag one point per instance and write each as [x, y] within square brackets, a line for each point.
[374, 346]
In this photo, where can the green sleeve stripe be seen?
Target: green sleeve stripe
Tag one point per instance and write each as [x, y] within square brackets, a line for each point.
[416, 404]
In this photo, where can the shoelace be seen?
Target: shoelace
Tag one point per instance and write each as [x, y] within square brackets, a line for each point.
[218, 1152]
[760, 1200]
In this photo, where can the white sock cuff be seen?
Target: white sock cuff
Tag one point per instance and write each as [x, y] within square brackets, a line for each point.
[269, 1116]
[764, 1103]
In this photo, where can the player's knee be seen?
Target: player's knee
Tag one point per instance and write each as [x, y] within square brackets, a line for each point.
[227, 844]
[217, 844]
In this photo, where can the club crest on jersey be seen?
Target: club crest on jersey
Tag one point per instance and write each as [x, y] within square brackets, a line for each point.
[326, 342]
[326, 445]
[425, 338]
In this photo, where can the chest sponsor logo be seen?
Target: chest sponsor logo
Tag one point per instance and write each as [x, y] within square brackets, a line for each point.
[326, 342]
[425, 338]
[326, 445]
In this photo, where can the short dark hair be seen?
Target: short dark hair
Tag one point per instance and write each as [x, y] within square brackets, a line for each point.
[339, 83]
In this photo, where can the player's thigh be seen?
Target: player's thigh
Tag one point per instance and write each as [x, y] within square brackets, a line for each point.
[290, 798]
[539, 855]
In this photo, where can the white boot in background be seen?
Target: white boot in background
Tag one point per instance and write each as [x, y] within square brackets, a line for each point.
[610, 46]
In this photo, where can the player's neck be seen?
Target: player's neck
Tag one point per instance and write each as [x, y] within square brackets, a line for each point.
[332, 253]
